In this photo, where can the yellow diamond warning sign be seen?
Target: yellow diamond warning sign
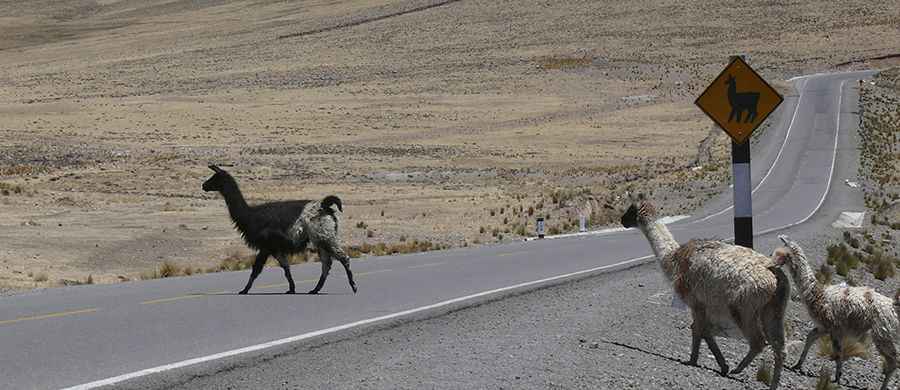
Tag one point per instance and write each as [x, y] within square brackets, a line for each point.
[739, 100]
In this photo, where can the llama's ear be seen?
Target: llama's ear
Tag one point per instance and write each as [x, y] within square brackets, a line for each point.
[215, 168]
[784, 239]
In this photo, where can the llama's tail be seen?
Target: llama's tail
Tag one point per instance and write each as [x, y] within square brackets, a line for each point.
[782, 289]
[329, 201]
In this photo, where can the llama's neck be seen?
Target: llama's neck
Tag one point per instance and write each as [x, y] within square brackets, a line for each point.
[805, 280]
[660, 238]
[237, 206]
[732, 91]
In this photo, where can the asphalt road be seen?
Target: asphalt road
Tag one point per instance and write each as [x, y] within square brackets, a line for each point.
[101, 335]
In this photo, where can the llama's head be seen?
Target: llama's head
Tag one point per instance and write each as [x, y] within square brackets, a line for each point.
[219, 181]
[641, 212]
[789, 253]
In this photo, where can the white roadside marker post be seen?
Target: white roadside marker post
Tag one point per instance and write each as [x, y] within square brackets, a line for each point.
[540, 227]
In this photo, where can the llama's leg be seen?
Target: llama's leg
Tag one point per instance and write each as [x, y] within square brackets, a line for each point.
[774, 329]
[696, 337]
[838, 356]
[325, 259]
[751, 116]
[811, 338]
[885, 346]
[711, 343]
[346, 264]
[752, 332]
[731, 115]
[345, 261]
[696, 334]
[284, 262]
[339, 253]
[757, 344]
[257, 268]
[700, 330]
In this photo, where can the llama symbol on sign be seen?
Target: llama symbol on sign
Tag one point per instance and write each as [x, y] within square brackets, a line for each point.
[740, 102]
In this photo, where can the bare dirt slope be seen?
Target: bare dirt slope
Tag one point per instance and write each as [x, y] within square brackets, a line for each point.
[440, 121]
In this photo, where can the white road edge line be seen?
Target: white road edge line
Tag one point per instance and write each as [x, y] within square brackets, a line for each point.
[304, 336]
[777, 157]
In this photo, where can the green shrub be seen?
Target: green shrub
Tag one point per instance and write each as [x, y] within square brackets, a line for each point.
[842, 269]
[520, 230]
[842, 258]
[824, 274]
[881, 266]
[850, 347]
[764, 373]
[169, 269]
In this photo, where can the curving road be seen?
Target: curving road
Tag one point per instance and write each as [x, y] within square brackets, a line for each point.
[91, 336]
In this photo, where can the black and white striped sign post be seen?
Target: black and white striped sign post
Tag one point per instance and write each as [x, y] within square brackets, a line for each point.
[739, 100]
[743, 194]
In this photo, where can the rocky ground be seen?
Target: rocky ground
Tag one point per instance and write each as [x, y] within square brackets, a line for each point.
[880, 166]
[446, 122]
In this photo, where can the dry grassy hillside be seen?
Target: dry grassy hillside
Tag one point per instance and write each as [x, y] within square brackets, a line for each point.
[437, 121]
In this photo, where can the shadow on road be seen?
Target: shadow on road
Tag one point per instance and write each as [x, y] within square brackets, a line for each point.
[683, 363]
[786, 369]
[269, 293]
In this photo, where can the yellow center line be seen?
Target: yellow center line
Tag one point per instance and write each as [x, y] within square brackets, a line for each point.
[51, 315]
[315, 280]
[278, 285]
[426, 265]
[189, 296]
[178, 298]
[285, 284]
[512, 253]
[373, 272]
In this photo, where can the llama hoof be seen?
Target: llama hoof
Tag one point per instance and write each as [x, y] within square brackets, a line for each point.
[243, 292]
[691, 363]
[289, 292]
[724, 371]
[313, 292]
[354, 288]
